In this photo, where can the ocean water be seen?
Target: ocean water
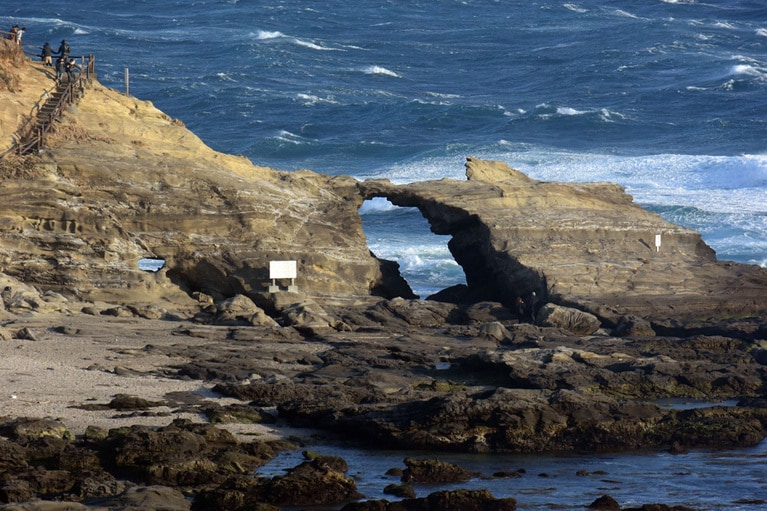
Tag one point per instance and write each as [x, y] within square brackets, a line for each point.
[701, 480]
[665, 97]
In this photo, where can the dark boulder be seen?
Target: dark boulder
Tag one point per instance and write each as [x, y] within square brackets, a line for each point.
[434, 471]
[605, 503]
[320, 481]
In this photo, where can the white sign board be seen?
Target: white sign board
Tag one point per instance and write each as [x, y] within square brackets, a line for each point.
[282, 269]
[657, 242]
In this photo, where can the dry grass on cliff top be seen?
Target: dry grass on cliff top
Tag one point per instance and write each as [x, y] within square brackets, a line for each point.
[116, 126]
[22, 84]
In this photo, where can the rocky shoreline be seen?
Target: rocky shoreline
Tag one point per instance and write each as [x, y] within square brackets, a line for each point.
[405, 374]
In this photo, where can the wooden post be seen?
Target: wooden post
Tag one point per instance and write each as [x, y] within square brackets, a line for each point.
[127, 82]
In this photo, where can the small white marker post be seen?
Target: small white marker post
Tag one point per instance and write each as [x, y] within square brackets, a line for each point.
[282, 270]
[657, 242]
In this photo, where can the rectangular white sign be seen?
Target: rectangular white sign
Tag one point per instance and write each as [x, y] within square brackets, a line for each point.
[282, 269]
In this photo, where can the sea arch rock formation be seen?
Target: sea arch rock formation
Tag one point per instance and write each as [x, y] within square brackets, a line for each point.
[121, 181]
[582, 244]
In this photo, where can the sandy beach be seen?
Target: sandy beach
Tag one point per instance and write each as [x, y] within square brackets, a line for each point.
[87, 360]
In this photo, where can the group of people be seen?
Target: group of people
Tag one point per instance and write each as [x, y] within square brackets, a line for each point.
[16, 33]
[64, 63]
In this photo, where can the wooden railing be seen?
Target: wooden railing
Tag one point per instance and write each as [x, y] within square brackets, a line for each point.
[31, 136]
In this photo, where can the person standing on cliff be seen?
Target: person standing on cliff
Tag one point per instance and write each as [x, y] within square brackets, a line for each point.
[70, 67]
[61, 60]
[532, 301]
[520, 308]
[46, 54]
[14, 33]
[63, 51]
[19, 34]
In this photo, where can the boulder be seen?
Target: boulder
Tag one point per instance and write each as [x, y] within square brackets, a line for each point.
[463, 500]
[241, 310]
[434, 471]
[567, 318]
[632, 326]
[605, 503]
[29, 429]
[159, 498]
[318, 482]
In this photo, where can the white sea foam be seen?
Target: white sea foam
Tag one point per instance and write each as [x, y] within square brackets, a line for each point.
[376, 205]
[292, 138]
[727, 26]
[625, 14]
[443, 95]
[761, 32]
[378, 70]
[747, 69]
[311, 99]
[264, 35]
[564, 110]
[226, 77]
[312, 45]
[575, 8]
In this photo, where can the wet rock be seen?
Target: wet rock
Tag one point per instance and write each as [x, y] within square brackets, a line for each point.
[434, 471]
[44, 482]
[605, 503]
[404, 491]
[181, 454]
[659, 507]
[234, 413]
[469, 500]
[760, 356]
[464, 500]
[320, 481]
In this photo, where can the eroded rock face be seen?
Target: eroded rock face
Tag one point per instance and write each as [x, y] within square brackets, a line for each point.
[583, 244]
[121, 181]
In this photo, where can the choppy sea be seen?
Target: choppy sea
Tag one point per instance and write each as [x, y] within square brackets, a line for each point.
[665, 97]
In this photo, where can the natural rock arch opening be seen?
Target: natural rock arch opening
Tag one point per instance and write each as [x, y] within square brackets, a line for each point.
[403, 235]
[151, 264]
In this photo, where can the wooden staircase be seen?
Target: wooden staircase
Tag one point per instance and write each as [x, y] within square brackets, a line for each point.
[30, 138]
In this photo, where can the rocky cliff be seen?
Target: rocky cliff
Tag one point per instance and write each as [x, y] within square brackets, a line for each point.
[586, 244]
[121, 181]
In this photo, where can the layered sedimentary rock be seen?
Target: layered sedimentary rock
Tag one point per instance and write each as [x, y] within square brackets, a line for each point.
[586, 244]
[121, 181]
